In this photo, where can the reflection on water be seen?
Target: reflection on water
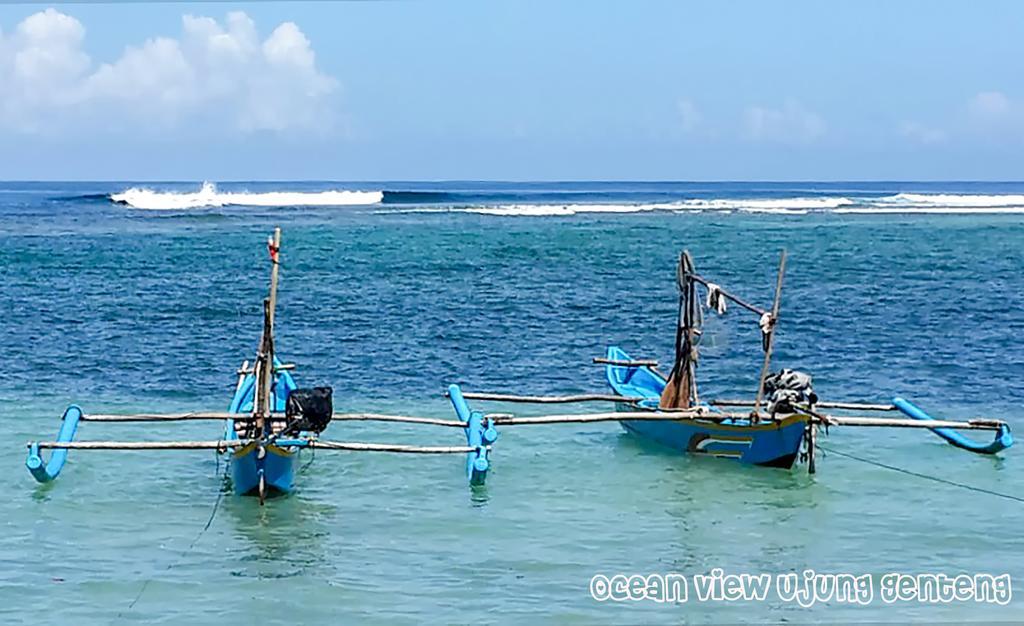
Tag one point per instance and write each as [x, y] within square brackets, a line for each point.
[478, 496]
[286, 537]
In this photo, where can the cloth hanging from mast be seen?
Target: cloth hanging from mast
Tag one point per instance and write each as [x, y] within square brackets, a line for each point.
[715, 300]
[767, 325]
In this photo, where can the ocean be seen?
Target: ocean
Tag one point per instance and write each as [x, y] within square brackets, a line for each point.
[130, 296]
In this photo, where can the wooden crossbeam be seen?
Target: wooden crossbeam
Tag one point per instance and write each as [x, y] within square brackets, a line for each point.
[651, 416]
[626, 362]
[225, 444]
[393, 448]
[853, 406]
[200, 416]
[140, 445]
[586, 397]
[170, 417]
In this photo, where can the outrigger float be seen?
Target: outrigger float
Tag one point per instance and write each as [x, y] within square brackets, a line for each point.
[270, 420]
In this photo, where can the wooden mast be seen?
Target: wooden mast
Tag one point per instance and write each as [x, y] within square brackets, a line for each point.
[771, 336]
[265, 359]
[681, 388]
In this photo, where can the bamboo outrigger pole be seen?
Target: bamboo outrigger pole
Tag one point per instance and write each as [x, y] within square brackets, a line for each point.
[503, 419]
[348, 446]
[770, 341]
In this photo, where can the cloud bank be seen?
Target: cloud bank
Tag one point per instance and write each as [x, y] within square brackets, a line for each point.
[220, 73]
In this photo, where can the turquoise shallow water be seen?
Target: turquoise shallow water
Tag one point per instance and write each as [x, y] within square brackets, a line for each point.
[120, 310]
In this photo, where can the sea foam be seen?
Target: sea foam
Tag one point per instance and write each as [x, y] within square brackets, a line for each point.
[209, 196]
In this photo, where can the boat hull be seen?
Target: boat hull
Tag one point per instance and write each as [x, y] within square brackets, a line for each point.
[772, 444]
[278, 464]
[277, 468]
[769, 443]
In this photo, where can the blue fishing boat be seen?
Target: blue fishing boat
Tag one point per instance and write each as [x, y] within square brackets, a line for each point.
[270, 420]
[777, 428]
[270, 470]
[772, 443]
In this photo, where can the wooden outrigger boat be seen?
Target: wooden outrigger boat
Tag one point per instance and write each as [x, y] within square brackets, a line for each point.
[780, 426]
[270, 420]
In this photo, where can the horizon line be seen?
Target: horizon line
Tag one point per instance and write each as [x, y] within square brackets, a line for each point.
[516, 181]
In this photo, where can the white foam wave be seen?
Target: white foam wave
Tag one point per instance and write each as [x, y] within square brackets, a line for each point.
[932, 210]
[546, 210]
[948, 200]
[788, 205]
[791, 206]
[209, 196]
[896, 204]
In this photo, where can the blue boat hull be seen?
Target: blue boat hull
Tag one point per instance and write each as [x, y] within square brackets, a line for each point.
[277, 464]
[277, 467]
[771, 444]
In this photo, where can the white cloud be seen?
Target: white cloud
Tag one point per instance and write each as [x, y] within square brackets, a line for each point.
[690, 117]
[989, 105]
[919, 133]
[220, 73]
[791, 123]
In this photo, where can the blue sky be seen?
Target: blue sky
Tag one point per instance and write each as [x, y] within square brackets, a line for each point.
[513, 90]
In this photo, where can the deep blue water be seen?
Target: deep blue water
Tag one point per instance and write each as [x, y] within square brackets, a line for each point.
[122, 309]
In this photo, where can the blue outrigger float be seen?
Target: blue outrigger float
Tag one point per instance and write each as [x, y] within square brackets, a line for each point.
[270, 420]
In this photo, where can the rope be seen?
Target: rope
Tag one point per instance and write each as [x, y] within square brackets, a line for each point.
[312, 457]
[170, 566]
[944, 481]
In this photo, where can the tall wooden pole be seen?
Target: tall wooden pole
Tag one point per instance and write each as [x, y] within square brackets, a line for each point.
[274, 245]
[265, 362]
[771, 335]
[691, 331]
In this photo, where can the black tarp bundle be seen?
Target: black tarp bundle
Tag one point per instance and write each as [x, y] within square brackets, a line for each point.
[311, 409]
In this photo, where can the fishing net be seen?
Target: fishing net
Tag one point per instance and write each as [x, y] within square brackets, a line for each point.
[787, 387]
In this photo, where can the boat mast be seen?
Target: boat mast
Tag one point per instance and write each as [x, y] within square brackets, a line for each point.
[769, 329]
[681, 389]
[265, 358]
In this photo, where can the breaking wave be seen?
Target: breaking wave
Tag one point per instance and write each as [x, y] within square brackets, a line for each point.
[903, 203]
[533, 200]
[949, 200]
[208, 196]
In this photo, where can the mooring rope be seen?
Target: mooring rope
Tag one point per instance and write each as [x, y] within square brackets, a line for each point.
[170, 566]
[312, 457]
[944, 481]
